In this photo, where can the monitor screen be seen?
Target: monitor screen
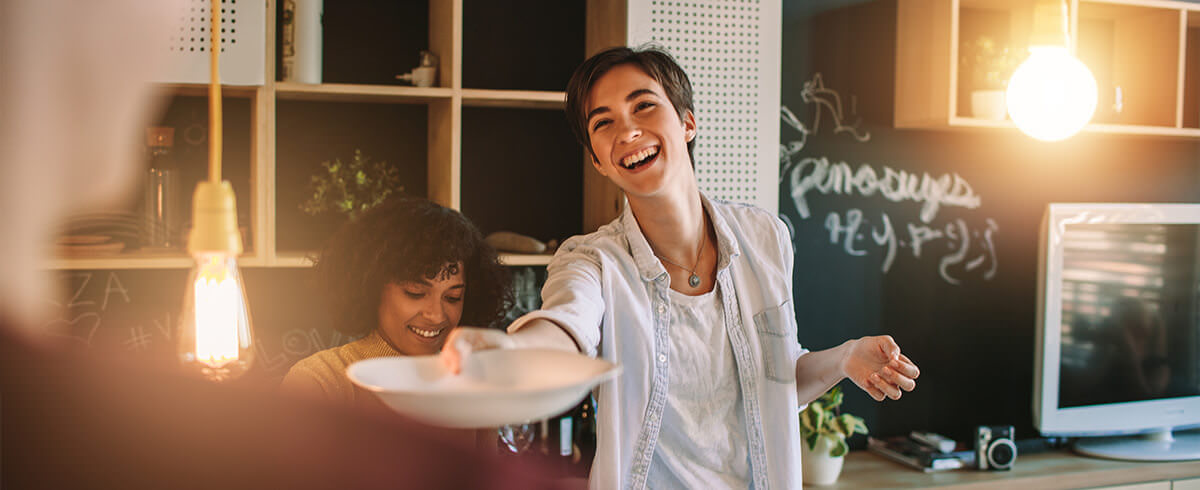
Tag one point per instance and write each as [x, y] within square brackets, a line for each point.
[1117, 349]
[1128, 313]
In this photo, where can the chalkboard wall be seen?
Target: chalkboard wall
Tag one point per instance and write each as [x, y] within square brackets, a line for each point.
[958, 290]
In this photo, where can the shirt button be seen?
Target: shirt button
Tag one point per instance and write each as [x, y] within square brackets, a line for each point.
[662, 308]
[662, 358]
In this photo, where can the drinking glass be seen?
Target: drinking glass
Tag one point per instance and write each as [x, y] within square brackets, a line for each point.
[516, 437]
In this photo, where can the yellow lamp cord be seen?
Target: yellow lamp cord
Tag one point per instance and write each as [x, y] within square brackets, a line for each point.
[214, 97]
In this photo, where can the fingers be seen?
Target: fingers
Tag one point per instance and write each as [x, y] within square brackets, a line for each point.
[884, 386]
[453, 351]
[874, 392]
[905, 367]
[897, 379]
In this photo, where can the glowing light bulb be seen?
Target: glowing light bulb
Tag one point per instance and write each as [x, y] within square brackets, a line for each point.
[215, 336]
[1052, 95]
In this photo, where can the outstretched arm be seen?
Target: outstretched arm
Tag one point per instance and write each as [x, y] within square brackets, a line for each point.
[875, 364]
[537, 334]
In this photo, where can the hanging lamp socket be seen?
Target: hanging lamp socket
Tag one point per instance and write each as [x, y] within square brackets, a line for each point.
[1050, 24]
[214, 220]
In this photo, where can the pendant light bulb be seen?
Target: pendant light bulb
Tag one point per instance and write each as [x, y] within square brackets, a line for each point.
[1051, 95]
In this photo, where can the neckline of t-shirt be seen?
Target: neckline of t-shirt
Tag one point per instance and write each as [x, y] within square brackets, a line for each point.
[678, 297]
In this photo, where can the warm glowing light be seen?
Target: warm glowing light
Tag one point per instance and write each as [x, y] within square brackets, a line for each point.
[215, 333]
[1052, 95]
[218, 306]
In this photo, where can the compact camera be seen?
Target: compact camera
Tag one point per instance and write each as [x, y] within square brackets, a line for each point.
[994, 447]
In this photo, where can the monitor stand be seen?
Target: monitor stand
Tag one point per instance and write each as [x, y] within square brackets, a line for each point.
[1154, 446]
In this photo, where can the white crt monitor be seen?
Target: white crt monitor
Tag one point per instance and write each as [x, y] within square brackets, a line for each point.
[1117, 349]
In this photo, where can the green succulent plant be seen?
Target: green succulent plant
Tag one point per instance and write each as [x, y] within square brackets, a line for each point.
[351, 187]
[823, 418]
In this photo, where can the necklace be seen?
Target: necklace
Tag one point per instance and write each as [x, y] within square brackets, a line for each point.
[694, 280]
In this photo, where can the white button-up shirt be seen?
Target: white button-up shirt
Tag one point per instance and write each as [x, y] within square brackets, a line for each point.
[609, 292]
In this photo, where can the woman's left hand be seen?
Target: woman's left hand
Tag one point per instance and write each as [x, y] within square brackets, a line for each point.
[876, 365]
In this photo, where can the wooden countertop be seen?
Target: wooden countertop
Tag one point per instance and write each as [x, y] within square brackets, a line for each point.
[1057, 469]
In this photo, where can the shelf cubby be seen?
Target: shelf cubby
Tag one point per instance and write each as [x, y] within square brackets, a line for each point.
[317, 132]
[1145, 47]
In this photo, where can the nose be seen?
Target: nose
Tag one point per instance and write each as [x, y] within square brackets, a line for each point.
[433, 311]
[628, 130]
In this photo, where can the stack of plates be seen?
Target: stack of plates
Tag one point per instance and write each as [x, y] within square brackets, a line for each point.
[88, 246]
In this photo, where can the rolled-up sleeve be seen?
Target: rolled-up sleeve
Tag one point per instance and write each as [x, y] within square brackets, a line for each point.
[572, 297]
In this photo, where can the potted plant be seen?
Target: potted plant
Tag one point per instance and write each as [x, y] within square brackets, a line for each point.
[987, 66]
[351, 187]
[824, 430]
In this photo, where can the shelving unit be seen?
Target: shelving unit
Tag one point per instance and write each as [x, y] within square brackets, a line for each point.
[1148, 48]
[284, 115]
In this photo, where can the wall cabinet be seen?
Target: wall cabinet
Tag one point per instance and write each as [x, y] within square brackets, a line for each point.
[489, 139]
[1147, 51]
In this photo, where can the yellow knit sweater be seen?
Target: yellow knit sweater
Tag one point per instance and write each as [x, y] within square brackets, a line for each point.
[324, 373]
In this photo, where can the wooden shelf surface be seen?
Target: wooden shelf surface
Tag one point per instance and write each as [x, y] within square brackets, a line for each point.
[141, 260]
[521, 99]
[1125, 129]
[525, 259]
[1049, 470]
[201, 90]
[347, 92]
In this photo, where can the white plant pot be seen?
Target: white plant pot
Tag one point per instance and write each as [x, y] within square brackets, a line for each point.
[989, 105]
[819, 468]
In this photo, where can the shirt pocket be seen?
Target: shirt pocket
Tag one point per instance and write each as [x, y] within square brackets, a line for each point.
[776, 327]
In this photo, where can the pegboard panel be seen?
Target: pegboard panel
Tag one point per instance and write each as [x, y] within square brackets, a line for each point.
[243, 37]
[731, 51]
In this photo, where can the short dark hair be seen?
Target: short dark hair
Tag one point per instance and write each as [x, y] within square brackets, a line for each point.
[653, 60]
[408, 239]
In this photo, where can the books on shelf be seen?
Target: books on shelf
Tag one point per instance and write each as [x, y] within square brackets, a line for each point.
[908, 452]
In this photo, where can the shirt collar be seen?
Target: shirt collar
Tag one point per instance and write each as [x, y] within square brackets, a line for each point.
[650, 267]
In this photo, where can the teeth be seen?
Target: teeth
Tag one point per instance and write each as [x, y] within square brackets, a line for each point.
[628, 161]
[426, 333]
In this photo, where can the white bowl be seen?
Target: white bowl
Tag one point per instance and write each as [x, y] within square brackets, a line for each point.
[496, 387]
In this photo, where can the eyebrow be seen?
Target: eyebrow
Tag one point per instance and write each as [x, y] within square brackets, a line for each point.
[425, 282]
[631, 96]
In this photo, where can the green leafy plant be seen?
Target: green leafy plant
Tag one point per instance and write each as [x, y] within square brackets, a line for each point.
[351, 187]
[988, 64]
[823, 418]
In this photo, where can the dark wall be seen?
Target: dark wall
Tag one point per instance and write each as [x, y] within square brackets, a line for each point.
[963, 307]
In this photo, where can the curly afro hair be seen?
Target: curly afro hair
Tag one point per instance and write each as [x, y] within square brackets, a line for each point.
[408, 239]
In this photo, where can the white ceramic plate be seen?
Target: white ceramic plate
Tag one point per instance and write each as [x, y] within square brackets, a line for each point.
[496, 387]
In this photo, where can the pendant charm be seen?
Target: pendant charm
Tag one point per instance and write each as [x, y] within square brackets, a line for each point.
[694, 281]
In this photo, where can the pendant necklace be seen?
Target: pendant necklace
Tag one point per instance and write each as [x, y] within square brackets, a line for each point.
[694, 279]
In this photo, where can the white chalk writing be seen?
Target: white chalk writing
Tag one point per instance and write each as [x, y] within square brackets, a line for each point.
[962, 251]
[967, 249]
[818, 174]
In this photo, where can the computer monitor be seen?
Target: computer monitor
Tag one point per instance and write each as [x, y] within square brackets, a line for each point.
[1117, 351]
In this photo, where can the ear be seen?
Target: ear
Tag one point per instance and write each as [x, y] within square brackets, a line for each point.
[689, 126]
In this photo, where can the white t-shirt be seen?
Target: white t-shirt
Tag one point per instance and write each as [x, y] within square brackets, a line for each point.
[702, 443]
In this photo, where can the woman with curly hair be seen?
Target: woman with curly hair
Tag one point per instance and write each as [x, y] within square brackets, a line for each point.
[402, 275]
